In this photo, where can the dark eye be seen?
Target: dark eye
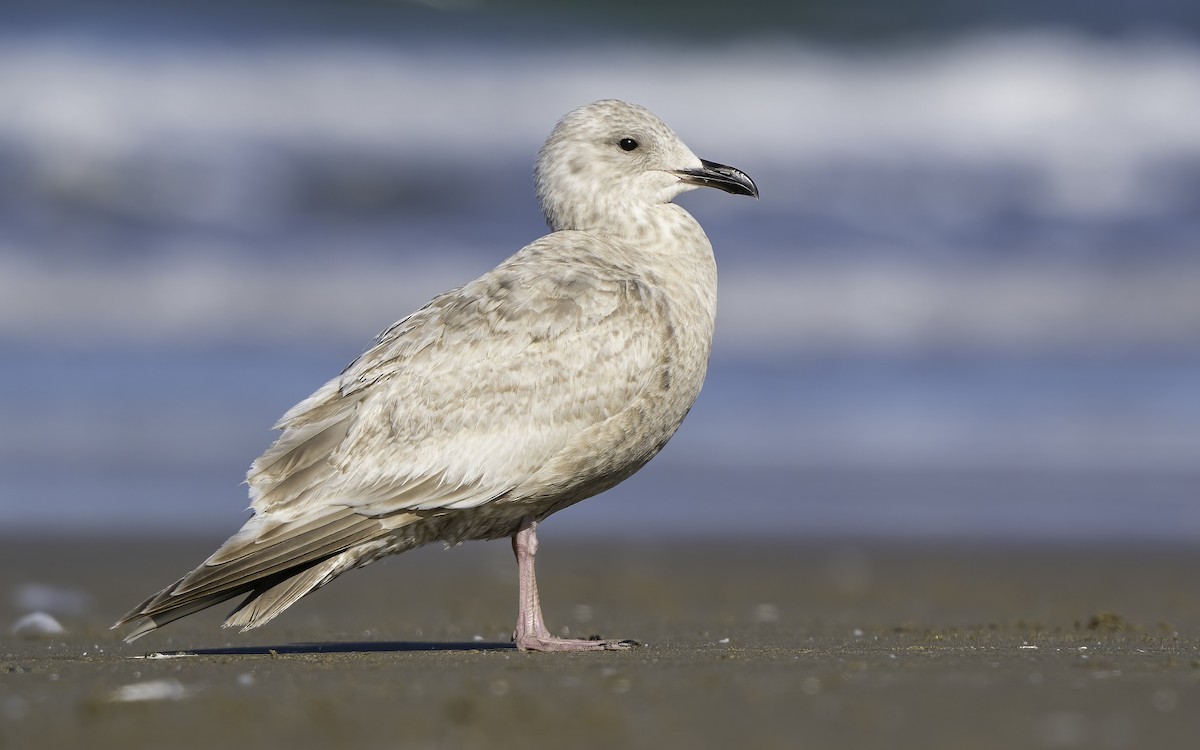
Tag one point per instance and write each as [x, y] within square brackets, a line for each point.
[627, 144]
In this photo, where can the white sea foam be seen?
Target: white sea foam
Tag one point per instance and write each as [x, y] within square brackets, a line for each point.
[1093, 115]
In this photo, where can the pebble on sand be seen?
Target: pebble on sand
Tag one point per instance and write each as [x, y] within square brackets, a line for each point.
[37, 623]
[150, 690]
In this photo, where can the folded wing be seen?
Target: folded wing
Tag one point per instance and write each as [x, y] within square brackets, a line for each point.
[451, 408]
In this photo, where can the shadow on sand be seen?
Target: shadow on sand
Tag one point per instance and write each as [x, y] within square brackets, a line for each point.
[335, 648]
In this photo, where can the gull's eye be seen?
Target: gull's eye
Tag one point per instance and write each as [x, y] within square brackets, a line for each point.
[627, 144]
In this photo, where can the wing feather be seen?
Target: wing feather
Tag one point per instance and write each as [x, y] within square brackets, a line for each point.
[451, 408]
[254, 562]
[458, 403]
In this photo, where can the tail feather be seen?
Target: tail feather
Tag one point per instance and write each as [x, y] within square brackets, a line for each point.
[148, 623]
[311, 542]
[265, 602]
[295, 560]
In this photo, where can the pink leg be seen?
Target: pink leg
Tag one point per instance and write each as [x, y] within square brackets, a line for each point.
[531, 633]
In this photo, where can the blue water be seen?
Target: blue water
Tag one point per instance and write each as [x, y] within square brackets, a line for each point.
[118, 440]
[968, 302]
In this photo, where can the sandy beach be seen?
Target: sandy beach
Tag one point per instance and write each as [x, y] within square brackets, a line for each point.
[758, 643]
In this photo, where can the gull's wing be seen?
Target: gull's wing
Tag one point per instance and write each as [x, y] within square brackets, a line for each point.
[458, 403]
[453, 406]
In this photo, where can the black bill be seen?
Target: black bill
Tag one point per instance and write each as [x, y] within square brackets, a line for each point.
[721, 177]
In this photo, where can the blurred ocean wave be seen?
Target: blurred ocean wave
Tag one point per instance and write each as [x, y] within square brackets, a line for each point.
[769, 313]
[1102, 126]
[231, 176]
[974, 265]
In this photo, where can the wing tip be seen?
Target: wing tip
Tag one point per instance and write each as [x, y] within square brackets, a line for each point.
[142, 625]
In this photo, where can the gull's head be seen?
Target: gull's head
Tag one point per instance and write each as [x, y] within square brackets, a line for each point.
[609, 160]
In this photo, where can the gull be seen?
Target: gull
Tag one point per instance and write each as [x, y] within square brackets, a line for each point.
[549, 379]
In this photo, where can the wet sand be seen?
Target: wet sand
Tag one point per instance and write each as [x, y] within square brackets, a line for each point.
[747, 644]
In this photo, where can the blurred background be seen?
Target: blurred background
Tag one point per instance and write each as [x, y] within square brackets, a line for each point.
[967, 304]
